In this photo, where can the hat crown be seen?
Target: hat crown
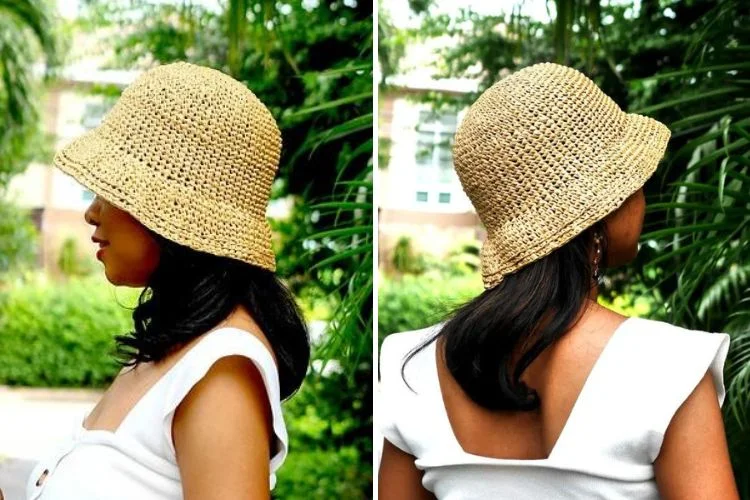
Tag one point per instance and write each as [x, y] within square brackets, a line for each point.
[202, 129]
[536, 124]
[543, 154]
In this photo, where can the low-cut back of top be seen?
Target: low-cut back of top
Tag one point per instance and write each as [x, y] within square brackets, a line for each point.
[608, 444]
[137, 460]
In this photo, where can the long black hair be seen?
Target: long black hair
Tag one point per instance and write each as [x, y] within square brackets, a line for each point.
[190, 292]
[489, 341]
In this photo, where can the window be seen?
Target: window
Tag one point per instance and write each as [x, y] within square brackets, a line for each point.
[93, 112]
[434, 146]
[434, 155]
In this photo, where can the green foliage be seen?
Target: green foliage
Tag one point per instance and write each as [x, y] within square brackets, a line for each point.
[411, 302]
[392, 46]
[54, 335]
[18, 238]
[343, 261]
[633, 299]
[24, 25]
[462, 260]
[404, 259]
[426, 288]
[70, 262]
[344, 245]
[330, 428]
[324, 474]
[700, 223]
[384, 152]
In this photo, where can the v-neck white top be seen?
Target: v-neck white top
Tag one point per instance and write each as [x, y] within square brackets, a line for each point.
[606, 448]
[137, 461]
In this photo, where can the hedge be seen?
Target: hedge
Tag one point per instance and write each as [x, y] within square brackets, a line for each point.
[60, 335]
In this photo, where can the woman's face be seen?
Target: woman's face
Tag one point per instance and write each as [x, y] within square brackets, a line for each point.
[623, 228]
[129, 252]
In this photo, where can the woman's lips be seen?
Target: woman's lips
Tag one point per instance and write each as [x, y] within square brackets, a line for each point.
[100, 252]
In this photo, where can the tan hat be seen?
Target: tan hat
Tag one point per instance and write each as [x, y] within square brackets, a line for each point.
[191, 154]
[544, 154]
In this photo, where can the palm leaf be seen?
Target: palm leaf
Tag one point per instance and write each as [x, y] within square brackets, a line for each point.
[345, 246]
[18, 19]
[704, 242]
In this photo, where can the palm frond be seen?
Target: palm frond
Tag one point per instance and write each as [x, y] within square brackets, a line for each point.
[18, 18]
[343, 248]
[703, 243]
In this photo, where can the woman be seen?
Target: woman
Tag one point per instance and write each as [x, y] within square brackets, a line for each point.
[182, 168]
[531, 390]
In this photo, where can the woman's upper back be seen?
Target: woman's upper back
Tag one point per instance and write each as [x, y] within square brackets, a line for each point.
[603, 445]
[138, 460]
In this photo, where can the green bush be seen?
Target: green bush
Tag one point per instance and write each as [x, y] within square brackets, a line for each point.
[405, 259]
[61, 335]
[411, 302]
[71, 263]
[18, 238]
[330, 432]
[323, 474]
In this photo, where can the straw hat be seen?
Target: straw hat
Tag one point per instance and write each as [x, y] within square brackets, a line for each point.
[191, 154]
[544, 154]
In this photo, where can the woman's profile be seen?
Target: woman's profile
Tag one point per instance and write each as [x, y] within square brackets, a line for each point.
[182, 168]
[532, 390]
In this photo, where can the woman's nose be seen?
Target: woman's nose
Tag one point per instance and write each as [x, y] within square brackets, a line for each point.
[88, 215]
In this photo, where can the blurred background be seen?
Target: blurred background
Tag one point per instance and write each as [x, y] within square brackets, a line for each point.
[683, 62]
[63, 64]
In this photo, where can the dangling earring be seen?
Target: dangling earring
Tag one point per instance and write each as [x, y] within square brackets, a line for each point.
[598, 238]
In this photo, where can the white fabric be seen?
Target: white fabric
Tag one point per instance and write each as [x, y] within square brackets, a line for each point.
[138, 459]
[612, 436]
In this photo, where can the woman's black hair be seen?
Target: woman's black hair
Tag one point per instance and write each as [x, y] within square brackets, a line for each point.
[489, 341]
[190, 292]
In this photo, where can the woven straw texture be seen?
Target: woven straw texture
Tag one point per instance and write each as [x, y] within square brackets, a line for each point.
[191, 154]
[544, 154]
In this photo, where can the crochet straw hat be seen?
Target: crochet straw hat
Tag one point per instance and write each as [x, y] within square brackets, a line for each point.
[544, 154]
[191, 154]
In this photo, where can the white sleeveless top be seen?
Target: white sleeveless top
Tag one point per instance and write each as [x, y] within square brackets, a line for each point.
[606, 448]
[138, 459]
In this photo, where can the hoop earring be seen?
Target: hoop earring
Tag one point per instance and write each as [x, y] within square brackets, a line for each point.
[597, 275]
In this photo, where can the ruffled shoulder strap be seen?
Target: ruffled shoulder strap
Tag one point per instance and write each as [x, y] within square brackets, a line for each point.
[646, 372]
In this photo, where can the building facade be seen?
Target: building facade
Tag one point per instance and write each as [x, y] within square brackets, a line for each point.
[420, 196]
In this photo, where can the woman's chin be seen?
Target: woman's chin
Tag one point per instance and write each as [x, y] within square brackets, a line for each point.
[119, 280]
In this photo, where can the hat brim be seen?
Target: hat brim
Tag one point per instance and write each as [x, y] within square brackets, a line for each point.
[631, 162]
